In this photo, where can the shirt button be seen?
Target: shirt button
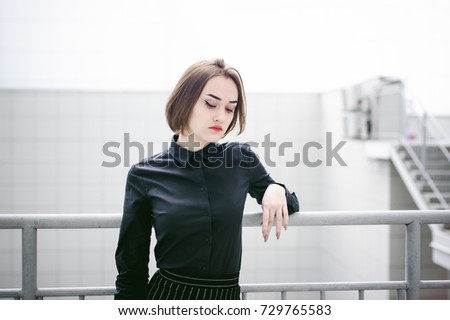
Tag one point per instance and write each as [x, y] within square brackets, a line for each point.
[203, 268]
[202, 189]
[206, 239]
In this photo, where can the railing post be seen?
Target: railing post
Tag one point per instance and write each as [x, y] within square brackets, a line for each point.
[360, 294]
[29, 262]
[412, 263]
[423, 149]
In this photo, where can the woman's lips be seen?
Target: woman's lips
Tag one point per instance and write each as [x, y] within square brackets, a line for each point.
[216, 128]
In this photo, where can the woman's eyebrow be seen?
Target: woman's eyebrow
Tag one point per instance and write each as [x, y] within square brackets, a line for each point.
[217, 98]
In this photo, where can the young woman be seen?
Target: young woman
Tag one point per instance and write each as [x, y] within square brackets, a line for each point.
[193, 195]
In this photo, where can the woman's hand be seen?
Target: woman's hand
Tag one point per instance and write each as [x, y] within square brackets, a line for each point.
[274, 206]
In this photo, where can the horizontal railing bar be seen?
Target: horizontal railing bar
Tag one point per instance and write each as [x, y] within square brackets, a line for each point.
[435, 284]
[75, 291]
[10, 293]
[336, 218]
[245, 288]
[60, 220]
[304, 218]
[324, 286]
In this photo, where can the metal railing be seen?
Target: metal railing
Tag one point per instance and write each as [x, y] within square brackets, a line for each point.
[426, 176]
[407, 289]
[429, 153]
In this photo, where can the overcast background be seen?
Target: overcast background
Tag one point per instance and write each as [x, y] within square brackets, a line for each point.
[279, 46]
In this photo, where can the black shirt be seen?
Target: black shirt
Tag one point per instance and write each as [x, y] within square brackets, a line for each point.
[195, 202]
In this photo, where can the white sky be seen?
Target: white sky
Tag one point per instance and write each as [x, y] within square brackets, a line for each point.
[281, 46]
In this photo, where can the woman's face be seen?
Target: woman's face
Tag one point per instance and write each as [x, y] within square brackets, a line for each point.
[214, 110]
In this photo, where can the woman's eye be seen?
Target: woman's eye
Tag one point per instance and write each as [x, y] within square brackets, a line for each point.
[210, 105]
[230, 110]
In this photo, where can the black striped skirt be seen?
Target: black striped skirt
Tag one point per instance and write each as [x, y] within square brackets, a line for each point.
[168, 285]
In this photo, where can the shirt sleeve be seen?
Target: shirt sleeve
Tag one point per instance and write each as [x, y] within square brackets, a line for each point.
[260, 179]
[132, 253]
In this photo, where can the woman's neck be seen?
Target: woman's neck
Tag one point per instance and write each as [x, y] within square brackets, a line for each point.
[190, 142]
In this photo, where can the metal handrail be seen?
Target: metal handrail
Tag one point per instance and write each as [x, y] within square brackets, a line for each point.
[430, 125]
[409, 289]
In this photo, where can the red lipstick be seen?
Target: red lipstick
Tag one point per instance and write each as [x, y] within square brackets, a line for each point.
[216, 128]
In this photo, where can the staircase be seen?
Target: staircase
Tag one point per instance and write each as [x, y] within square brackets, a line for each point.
[431, 179]
[425, 169]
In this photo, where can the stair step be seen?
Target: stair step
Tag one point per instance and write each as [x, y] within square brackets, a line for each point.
[436, 206]
[406, 157]
[431, 165]
[432, 198]
[441, 185]
[435, 155]
[431, 194]
[430, 149]
[435, 175]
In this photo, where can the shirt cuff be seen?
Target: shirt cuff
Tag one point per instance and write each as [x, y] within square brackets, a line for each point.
[291, 200]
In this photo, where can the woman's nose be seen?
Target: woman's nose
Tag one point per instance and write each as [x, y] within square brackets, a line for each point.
[219, 115]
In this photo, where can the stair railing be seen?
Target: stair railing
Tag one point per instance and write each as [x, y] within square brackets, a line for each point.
[438, 134]
[425, 175]
[431, 134]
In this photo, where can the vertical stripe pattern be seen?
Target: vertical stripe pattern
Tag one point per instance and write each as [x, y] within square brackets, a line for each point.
[166, 285]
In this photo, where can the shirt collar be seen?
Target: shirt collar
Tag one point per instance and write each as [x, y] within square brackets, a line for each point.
[183, 155]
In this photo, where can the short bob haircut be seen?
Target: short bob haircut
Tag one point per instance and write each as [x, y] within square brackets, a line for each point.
[190, 86]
